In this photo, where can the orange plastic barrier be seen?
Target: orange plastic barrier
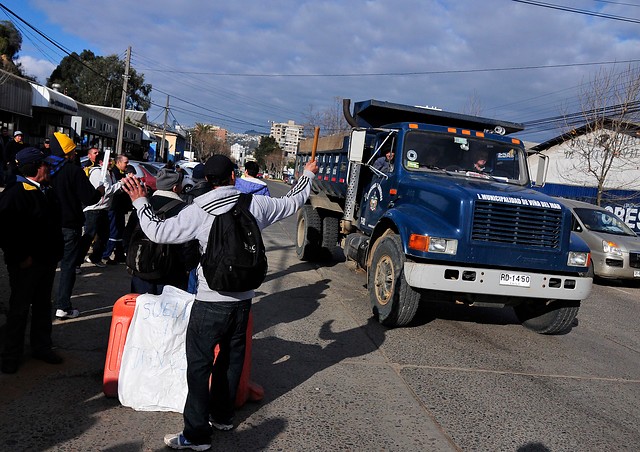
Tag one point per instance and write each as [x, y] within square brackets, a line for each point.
[123, 310]
[247, 389]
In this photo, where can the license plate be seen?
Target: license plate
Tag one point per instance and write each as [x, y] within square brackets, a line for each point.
[515, 279]
[636, 273]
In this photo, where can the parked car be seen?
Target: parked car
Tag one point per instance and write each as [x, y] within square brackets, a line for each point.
[615, 247]
[187, 182]
[146, 172]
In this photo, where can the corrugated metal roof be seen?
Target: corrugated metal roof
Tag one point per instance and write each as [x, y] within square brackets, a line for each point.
[15, 94]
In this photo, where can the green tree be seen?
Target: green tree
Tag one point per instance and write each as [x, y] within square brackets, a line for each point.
[266, 150]
[10, 45]
[97, 80]
[206, 143]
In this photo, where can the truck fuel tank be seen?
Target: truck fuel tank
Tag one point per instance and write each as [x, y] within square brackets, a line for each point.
[355, 248]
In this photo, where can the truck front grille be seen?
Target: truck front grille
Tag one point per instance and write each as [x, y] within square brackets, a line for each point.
[529, 226]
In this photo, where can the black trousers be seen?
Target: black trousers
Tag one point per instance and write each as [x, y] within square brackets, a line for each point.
[30, 288]
[211, 324]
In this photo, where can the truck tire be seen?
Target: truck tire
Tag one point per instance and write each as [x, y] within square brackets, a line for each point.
[330, 232]
[393, 301]
[309, 234]
[547, 318]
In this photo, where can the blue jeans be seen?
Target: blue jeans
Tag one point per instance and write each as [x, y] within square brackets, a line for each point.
[211, 324]
[68, 268]
[96, 231]
[116, 231]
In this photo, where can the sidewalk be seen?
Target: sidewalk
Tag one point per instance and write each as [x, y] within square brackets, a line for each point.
[316, 353]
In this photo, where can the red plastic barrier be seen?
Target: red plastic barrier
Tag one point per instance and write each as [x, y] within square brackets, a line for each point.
[123, 310]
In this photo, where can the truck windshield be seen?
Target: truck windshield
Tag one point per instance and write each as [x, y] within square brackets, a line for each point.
[464, 156]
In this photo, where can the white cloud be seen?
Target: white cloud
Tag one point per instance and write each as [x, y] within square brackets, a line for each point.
[346, 37]
[40, 69]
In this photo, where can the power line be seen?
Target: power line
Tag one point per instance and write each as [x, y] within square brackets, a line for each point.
[578, 11]
[396, 74]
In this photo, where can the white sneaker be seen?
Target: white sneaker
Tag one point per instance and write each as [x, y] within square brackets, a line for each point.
[98, 264]
[70, 314]
[178, 441]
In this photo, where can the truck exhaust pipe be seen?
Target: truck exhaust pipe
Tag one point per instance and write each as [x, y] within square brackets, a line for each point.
[346, 111]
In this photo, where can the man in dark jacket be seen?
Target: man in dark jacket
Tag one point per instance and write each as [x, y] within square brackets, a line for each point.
[10, 150]
[32, 244]
[166, 202]
[73, 190]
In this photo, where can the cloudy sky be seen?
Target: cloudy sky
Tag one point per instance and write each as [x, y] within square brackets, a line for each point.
[241, 64]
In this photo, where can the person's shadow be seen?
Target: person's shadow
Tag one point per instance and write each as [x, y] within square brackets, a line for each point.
[280, 365]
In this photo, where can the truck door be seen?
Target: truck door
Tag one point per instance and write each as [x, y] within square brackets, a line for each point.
[376, 196]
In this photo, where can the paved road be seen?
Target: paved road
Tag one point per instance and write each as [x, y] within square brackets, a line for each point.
[458, 379]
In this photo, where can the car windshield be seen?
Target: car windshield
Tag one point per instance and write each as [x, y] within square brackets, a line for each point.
[468, 156]
[149, 167]
[603, 221]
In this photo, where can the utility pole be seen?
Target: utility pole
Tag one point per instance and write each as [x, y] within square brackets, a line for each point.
[164, 130]
[123, 103]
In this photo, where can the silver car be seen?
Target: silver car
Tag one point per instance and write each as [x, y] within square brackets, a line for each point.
[615, 248]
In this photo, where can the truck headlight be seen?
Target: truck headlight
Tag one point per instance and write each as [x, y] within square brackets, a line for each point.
[429, 244]
[611, 248]
[578, 259]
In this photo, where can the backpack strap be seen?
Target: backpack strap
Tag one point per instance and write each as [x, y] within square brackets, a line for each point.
[168, 206]
[244, 201]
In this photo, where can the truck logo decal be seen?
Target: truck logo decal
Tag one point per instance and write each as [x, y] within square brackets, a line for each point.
[374, 196]
[518, 201]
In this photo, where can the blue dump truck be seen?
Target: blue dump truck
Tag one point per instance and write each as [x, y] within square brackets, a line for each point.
[438, 206]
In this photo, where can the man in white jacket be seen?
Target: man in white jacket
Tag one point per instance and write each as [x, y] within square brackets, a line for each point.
[217, 318]
[96, 226]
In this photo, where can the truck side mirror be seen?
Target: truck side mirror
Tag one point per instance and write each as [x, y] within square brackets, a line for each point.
[356, 145]
[540, 162]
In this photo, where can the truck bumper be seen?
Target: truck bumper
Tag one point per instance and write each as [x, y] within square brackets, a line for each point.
[488, 282]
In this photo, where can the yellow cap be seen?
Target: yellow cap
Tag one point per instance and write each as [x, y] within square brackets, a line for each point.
[66, 143]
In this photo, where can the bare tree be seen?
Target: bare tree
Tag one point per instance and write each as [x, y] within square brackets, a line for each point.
[331, 120]
[474, 105]
[607, 143]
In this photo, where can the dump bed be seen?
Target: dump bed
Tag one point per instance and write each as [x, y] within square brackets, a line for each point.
[376, 113]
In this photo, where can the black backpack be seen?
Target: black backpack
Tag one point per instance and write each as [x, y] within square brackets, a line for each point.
[149, 260]
[235, 258]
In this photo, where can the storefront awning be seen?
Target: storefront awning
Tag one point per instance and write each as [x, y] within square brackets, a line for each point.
[148, 135]
[48, 98]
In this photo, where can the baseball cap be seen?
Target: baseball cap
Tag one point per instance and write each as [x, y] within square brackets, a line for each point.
[219, 166]
[16, 133]
[32, 155]
[198, 172]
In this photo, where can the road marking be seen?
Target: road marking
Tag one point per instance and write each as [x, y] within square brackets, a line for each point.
[524, 374]
[623, 291]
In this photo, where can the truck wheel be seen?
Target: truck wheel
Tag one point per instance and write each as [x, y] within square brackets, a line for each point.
[330, 232]
[309, 234]
[553, 317]
[393, 301]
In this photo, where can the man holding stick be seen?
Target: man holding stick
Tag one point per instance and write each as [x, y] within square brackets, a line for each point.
[217, 318]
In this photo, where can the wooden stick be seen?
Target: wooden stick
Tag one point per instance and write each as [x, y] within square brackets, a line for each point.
[316, 134]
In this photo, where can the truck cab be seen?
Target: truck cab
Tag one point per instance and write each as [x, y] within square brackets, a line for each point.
[451, 216]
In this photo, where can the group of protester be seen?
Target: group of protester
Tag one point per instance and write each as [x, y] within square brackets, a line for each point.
[49, 203]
